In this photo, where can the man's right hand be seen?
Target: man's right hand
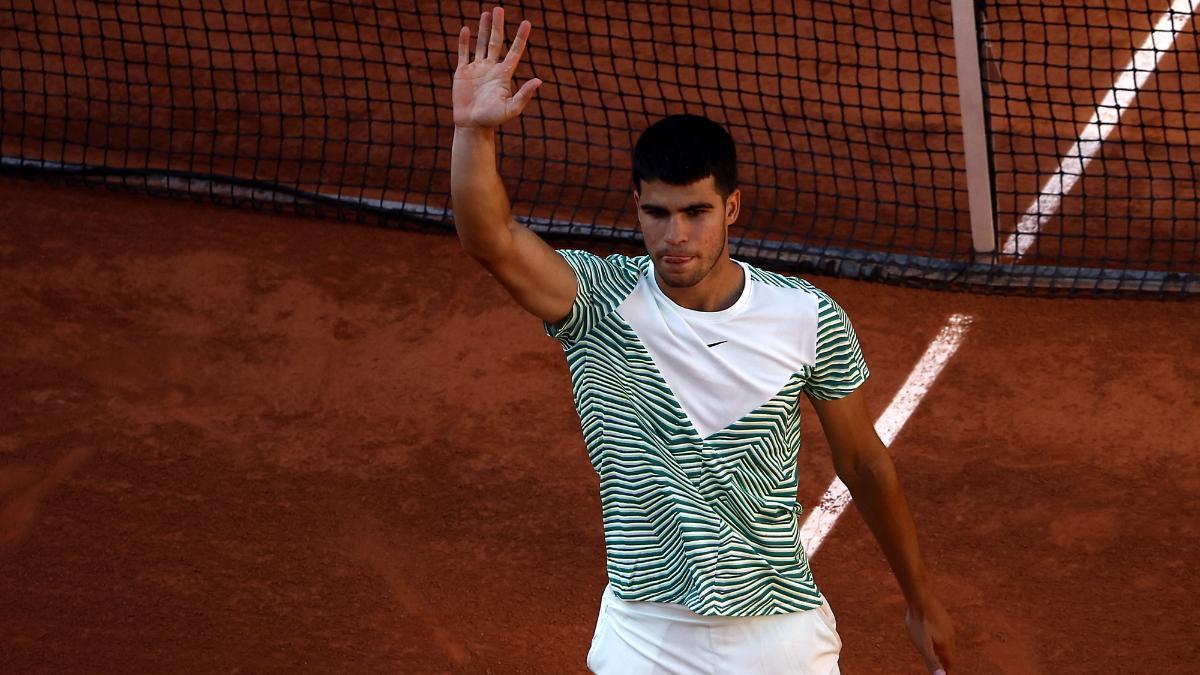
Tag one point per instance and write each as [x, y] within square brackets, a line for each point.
[483, 96]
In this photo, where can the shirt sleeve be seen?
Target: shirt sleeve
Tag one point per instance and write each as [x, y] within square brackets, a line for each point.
[602, 283]
[840, 367]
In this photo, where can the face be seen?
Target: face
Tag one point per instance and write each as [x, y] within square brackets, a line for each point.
[686, 228]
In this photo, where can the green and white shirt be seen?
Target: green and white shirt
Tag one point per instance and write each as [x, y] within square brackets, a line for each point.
[692, 421]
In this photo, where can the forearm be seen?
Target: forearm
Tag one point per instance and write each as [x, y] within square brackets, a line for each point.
[482, 213]
[877, 494]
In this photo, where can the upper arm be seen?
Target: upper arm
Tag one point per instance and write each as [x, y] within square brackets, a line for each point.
[834, 385]
[534, 274]
[853, 441]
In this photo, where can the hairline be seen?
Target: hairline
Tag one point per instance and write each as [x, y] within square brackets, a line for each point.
[637, 184]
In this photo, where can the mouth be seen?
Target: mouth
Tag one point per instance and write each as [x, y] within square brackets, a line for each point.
[676, 260]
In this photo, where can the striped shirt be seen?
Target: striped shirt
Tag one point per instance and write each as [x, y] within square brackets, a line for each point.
[691, 420]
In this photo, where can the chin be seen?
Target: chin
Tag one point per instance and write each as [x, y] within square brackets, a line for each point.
[679, 278]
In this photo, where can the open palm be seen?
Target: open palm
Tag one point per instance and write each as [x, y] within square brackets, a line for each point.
[483, 93]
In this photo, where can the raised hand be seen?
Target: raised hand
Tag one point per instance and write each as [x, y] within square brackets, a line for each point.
[483, 95]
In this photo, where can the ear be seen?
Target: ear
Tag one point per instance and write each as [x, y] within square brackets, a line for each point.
[733, 206]
[637, 199]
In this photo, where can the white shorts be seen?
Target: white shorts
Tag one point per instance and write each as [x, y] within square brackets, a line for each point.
[641, 638]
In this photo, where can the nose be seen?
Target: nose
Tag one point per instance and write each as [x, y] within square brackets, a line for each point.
[676, 230]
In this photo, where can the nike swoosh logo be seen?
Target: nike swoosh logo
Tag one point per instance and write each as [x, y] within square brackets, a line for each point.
[718, 343]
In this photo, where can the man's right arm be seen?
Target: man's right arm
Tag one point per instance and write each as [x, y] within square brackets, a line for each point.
[537, 277]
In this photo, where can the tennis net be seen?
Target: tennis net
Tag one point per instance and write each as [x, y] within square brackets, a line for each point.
[847, 117]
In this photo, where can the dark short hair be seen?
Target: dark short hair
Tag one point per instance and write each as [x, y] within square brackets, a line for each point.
[683, 149]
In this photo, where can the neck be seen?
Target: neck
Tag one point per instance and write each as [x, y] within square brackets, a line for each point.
[718, 290]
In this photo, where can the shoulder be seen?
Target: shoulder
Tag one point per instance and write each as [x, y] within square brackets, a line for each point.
[602, 284]
[615, 263]
[604, 279]
[831, 320]
[784, 281]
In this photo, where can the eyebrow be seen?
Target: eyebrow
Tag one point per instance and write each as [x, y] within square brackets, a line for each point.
[696, 206]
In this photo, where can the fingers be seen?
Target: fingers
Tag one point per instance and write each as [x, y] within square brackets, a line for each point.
[497, 41]
[464, 47]
[945, 654]
[943, 643]
[518, 45]
[918, 632]
[485, 27]
[939, 654]
[490, 40]
[931, 660]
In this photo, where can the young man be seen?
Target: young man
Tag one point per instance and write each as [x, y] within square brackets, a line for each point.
[687, 368]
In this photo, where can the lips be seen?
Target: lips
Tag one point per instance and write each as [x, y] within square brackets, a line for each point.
[676, 259]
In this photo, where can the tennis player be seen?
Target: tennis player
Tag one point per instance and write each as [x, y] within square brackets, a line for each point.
[687, 367]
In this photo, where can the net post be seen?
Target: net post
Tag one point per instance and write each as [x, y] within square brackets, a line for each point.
[974, 127]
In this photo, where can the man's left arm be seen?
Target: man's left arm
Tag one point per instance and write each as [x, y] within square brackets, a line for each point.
[862, 462]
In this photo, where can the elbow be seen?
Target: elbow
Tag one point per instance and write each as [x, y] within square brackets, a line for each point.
[486, 248]
[474, 249]
[851, 474]
[866, 470]
[487, 243]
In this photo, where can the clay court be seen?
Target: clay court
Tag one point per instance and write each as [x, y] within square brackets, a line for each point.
[237, 441]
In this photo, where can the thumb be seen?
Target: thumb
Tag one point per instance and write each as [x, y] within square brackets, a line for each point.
[524, 95]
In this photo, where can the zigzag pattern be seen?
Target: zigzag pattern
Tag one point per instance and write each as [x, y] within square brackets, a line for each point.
[710, 523]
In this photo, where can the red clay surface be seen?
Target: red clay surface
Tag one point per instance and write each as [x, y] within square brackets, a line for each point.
[240, 442]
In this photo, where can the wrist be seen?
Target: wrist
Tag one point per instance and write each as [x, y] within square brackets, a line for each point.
[473, 130]
[923, 601]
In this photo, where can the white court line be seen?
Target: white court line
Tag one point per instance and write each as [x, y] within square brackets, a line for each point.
[1107, 115]
[835, 500]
